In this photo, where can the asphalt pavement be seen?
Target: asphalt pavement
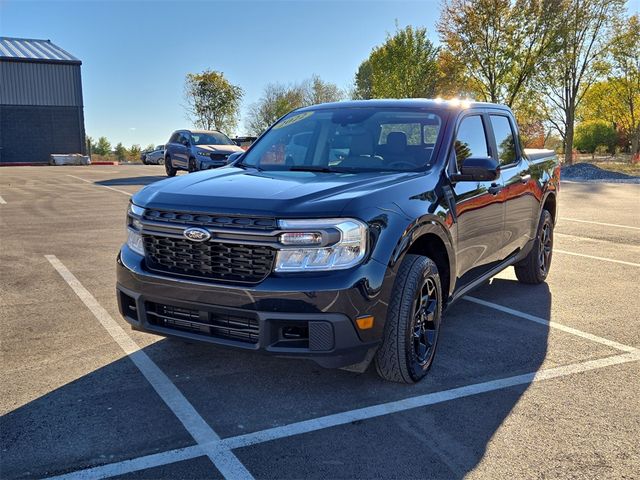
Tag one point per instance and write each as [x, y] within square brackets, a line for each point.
[529, 381]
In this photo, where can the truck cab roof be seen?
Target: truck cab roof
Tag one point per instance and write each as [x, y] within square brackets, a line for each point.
[426, 103]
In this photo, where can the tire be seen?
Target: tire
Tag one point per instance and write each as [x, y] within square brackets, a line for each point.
[413, 322]
[535, 266]
[161, 161]
[192, 165]
[168, 167]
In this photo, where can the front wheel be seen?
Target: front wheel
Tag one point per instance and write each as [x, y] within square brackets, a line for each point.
[168, 167]
[535, 266]
[192, 165]
[413, 322]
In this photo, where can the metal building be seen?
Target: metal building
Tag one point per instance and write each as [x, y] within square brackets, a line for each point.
[41, 110]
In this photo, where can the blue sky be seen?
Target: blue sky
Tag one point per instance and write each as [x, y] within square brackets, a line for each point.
[136, 54]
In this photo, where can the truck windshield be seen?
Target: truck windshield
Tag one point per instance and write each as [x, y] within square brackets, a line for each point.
[349, 140]
[210, 138]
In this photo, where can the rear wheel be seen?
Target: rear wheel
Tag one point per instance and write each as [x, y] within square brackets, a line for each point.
[413, 322]
[168, 167]
[161, 161]
[535, 266]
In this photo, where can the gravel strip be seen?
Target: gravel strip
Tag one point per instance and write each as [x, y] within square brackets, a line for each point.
[587, 172]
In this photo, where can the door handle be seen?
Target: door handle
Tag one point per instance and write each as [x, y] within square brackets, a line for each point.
[494, 189]
[525, 178]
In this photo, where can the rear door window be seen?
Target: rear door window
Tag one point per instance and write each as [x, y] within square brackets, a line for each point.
[505, 139]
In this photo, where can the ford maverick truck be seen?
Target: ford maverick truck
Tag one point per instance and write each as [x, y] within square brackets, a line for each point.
[342, 234]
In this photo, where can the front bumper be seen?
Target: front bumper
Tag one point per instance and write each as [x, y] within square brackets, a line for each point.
[289, 316]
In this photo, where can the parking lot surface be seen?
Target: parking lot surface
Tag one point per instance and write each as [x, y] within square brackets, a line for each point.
[539, 381]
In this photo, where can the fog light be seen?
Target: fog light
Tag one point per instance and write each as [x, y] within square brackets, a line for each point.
[365, 323]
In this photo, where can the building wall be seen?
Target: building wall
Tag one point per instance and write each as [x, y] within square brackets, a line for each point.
[41, 111]
[33, 133]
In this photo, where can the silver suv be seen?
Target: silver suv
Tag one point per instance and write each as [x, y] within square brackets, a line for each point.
[194, 150]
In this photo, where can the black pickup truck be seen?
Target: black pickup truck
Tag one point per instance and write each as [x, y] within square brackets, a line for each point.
[342, 233]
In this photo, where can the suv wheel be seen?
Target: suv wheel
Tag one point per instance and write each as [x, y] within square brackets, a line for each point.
[192, 165]
[168, 167]
[413, 322]
[535, 266]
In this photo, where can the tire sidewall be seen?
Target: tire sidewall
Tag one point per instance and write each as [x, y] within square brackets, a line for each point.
[545, 218]
[168, 167]
[394, 358]
[429, 270]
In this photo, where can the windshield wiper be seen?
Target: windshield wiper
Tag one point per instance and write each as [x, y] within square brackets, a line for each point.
[315, 168]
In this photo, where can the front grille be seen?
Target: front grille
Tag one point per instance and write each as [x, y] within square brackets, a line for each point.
[219, 156]
[208, 260]
[213, 324]
[199, 219]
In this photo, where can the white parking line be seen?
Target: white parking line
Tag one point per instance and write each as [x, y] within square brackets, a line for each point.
[342, 418]
[220, 451]
[366, 413]
[2, 202]
[134, 464]
[558, 326]
[103, 186]
[611, 260]
[564, 219]
[202, 433]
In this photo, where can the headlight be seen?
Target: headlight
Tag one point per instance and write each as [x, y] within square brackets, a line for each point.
[204, 154]
[134, 239]
[346, 250]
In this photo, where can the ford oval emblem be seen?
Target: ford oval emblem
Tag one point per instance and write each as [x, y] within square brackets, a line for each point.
[197, 234]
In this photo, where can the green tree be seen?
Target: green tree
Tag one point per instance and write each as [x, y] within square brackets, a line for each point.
[120, 152]
[593, 134]
[134, 152]
[579, 64]
[279, 99]
[212, 102]
[317, 91]
[625, 84]
[150, 148]
[496, 46]
[103, 147]
[404, 66]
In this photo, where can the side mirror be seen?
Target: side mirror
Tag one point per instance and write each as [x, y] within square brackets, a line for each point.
[477, 169]
[235, 156]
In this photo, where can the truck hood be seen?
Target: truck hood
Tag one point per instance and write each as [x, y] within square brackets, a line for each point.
[235, 190]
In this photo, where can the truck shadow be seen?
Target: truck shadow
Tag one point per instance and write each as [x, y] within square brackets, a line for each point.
[140, 180]
[112, 414]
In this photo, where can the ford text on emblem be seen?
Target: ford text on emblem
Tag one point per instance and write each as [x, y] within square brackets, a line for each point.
[197, 234]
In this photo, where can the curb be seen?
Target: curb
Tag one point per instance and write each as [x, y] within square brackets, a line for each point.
[43, 164]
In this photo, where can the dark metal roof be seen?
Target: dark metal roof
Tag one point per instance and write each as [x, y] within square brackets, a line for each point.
[32, 50]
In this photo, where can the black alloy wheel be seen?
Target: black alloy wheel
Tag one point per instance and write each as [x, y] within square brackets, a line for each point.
[425, 326]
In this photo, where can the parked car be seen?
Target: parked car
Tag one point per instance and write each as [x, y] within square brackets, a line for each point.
[244, 142]
[153, 157]
[194, 150]
[342, 234]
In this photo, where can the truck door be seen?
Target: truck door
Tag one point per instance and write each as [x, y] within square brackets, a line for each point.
[479, 211]
[518, 193]
[183, 149]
